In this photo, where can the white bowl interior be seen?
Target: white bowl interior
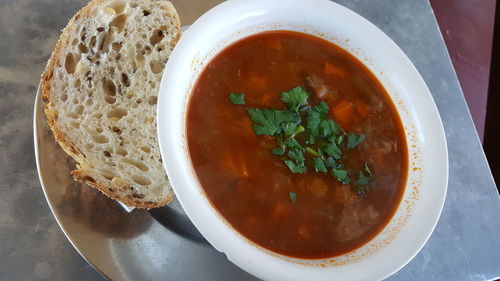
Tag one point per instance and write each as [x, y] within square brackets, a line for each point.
[425, 190]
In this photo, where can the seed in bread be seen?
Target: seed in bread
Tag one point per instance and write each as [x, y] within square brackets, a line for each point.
[100, 90]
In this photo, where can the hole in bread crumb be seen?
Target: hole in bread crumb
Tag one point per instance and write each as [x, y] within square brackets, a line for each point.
[152, 100]
[109, 87]
[108, 174]
[110, 99]
[105, 42]
[83, 34]
[89, 145]
[75, 101]
[89, 102]
[146, 13]
[133, 5]
[141, 180]
[72, 115]
[74, 42]
[156, 66]
[82, 48]
[156, 37]
[100, 138]
[137, 164]
[146, 149]
[79, 109]
[117, 113]
[77, 83]
[99, 130]
[64, 97]
[116, 47]
[97, 115]
[111, 70]
[125, 80]
[118, 6]
[74, 124]
[92, 42]
[121, 151]
[69, 63]
[119, 22]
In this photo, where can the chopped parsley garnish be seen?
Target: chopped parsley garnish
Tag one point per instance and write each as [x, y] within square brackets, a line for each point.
[237, 98]
[268, 121]
[341, 175]
[362, 179]
[295, 168]
[292, 144]
[333, 150]
[354, 140]
[295, 98]
[297, 154]
[307, 138]
[278, 151]
[319, 165]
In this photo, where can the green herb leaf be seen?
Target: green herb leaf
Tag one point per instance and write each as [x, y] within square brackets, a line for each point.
[297, 155]
[292, 143]
[268, 121]
[341, 176]
[319, 165]
[293, 197]
[295, 98]
[313, 152]
[313, 120]
[322, 108]
[298, 130]
[354, 140]
[294, 168]
[278, 151]
[362, 179]
[289, 127]
[338, 140]
[368, 171]
[333, 150]
[328, 128]
[237, 98]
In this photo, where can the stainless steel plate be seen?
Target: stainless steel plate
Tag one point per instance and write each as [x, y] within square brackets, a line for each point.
[161, 244]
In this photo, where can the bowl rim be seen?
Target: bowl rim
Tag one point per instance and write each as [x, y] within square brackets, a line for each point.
[231, 245]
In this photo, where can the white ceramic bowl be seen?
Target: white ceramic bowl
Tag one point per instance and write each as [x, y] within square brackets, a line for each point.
[426, 185]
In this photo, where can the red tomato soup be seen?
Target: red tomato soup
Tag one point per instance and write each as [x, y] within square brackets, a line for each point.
[305, 197]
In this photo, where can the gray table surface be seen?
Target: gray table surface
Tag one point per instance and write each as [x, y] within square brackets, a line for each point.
[464, 246]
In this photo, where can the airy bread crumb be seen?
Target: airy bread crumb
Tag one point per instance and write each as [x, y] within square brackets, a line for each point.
[100, 90]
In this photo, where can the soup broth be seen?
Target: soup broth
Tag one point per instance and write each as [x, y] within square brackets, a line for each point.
[307, 214]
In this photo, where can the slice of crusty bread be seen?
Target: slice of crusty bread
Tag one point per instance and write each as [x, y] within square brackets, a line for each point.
[100, 89]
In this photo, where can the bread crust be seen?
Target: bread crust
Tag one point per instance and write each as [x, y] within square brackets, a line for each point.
[63, 141]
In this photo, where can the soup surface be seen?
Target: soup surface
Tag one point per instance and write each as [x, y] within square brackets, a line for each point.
[302, 213]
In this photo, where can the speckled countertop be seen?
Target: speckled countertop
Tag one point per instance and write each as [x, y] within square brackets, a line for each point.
[464, 246]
